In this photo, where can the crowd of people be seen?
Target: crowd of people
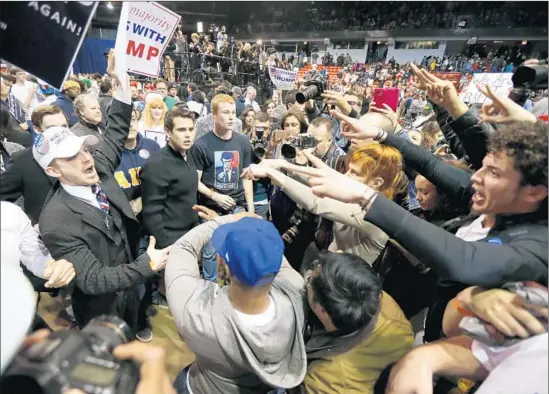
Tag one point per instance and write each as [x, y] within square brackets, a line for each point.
[294, 243]
[391, 15]
[204, 57]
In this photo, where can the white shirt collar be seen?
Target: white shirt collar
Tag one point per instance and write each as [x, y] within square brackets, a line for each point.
[83, 193]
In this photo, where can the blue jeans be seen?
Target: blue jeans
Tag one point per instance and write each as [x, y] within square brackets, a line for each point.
[209, 255]
[180, 382]
[262, 210]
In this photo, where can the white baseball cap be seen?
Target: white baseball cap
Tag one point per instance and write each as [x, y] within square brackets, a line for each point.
[59, 143]
[18, 308]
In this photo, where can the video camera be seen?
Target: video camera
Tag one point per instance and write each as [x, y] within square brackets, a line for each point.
[315, 85]
[302, 141]
[526, 79]
[75, 359]
[259, 145]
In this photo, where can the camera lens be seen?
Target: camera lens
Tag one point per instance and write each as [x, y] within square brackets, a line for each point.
[309, 93]
[111, 331]
[260, 151]
[288, 151]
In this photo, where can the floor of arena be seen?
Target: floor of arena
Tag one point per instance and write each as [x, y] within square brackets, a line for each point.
[164, 332]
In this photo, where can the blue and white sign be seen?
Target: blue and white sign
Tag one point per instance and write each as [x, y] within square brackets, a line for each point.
[283, 79]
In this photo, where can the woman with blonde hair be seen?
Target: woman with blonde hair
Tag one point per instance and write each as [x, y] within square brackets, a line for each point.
[151, 124]
[378, 166]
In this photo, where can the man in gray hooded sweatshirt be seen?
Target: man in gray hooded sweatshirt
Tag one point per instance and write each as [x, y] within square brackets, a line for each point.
[247, 336]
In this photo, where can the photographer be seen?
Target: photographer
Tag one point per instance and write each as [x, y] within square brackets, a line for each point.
[210, 60]
[260, 139]
[195, 48]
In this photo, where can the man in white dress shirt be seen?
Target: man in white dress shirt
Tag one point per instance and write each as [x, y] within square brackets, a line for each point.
[21, 244]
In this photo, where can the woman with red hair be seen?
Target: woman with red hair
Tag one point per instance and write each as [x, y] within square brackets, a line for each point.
[378, 166]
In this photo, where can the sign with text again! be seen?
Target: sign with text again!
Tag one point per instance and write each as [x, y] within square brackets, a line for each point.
[144, 31]
[43, 37]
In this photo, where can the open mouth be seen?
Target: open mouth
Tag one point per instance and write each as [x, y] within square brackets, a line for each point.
[89, 170]
[477, 198]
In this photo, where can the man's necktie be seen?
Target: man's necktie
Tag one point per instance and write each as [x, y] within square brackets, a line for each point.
[101, 198]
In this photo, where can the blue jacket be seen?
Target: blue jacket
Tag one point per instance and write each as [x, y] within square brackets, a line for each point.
[66, 104]
[240, 105]
[127, 174]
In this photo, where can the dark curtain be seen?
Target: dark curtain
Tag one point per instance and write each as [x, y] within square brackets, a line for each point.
[90, 58]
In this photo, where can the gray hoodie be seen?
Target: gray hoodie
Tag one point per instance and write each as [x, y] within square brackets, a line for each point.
[230, 356]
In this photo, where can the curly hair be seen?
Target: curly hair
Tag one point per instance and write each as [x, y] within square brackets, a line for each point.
[526, 144]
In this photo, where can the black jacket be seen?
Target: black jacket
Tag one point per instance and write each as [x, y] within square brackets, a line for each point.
[105, 101]
[466, 136]
[24, 177]
[169, 186]
[514, 250]
[83, 128]
[72, 229]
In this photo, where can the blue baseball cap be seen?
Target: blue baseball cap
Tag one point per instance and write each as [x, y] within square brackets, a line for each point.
[252, 248]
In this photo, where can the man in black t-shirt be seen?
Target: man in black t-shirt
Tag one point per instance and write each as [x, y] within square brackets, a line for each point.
[220, 157]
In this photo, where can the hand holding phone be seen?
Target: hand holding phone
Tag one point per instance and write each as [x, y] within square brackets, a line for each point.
[387, 96]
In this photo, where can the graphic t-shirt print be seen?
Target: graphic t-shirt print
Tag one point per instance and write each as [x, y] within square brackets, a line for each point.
[227, 174]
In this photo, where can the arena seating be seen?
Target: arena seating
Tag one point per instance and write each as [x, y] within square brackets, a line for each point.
[332, 72]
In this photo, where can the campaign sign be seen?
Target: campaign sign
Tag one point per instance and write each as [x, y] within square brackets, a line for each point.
[501, 84]
[282, 79]
[144, 31]
[43, 37]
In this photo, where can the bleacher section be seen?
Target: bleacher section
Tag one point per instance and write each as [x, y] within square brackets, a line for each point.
[332, 72]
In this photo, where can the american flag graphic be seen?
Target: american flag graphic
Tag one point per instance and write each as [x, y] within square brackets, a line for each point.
[41, 144]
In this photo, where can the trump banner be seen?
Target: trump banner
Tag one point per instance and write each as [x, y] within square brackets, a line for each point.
[43, 37]
[282, 79]
[144, 31]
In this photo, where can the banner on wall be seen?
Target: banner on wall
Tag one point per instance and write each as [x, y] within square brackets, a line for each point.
[144, 31]
[282, 79]
[43, 37]
[501, 83]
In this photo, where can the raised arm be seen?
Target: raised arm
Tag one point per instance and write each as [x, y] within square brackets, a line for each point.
[108, 154]
[451, 180]
[475, 263]
[182, 273]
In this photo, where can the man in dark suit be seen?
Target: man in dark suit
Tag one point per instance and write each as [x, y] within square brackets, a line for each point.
[24, 177]
[87, 218]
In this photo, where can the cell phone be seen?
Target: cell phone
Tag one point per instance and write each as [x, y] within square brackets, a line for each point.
[282, 135]
[387, 96]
